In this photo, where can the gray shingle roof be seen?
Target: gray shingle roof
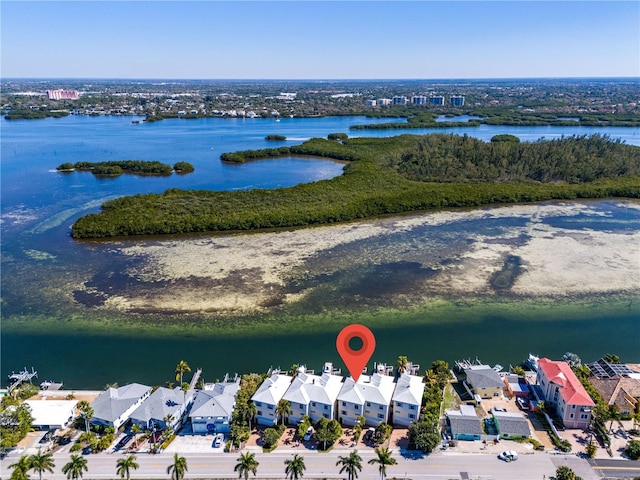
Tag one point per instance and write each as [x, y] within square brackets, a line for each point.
[160, 403]
[464, 425]
[484, 378]
[218, 402]
[113, 402]
[511, 424]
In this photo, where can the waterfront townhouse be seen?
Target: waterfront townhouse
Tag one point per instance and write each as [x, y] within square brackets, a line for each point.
[564, 393]
[113, 407]
[370, 397]
[407, 399]
[313, 395]
[267, 397]
[213, 407]
[163, 409]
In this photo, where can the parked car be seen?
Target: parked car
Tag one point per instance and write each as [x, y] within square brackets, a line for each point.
[368, 435]
[307, 434]
[508, 456]
[218, 439]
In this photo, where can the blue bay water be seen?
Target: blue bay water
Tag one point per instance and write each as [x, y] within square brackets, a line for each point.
[38, 206]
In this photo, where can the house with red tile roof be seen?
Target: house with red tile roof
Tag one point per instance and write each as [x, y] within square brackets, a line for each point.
[564, 393]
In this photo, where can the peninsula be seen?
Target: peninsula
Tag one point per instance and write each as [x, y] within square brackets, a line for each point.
[392, 175]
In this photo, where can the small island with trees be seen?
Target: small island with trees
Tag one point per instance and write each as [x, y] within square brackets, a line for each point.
[275, 138]
[406, 173]
[118, 167]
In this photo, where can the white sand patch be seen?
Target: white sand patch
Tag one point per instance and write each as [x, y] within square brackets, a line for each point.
[269, 253]
[243, 272]
[582, 263]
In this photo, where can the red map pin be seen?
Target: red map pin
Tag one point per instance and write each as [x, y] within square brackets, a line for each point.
[355, 360]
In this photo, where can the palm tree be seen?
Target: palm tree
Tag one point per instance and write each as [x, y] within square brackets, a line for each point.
[42, 462]
[384, 459]
[125, 465]
[295, 467]
[178, 468]
[181, 368]
[401, 364]
[21, 468]
[246, 463]
[168, 418]
[250, 412]
[135, 429]
[75, 468]
[283, 409]
[86, 411]
[351, 464]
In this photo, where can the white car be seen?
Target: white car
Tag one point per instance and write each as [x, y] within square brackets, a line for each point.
[307, 435]
[217, 442]
[508, 456]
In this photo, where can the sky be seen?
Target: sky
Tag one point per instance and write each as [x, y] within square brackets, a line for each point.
[319, 40]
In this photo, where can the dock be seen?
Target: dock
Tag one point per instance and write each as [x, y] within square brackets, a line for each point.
[195, 378]
[17, 379]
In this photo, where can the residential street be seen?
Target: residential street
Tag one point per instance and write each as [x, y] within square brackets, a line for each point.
[440, 465]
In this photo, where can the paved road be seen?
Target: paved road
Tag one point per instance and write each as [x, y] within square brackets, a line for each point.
[438, 466]
[616, 468]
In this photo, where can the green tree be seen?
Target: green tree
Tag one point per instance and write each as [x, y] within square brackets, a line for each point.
[633, 449]
[125, 465]
[327, 432]
[181, 369]
[21, 468]
[247, 463]
[250, 412]
[518, 370]
[612, 358]
[42, 462]
[351, 464]
[591, 449]
[15, 422]
[383, 460]
[402, 363]
[423, 434]
[295, 467]
[75, 468]
[283, 409]
[178, 468]
[565, 473]
[86, 411]
[135, 429]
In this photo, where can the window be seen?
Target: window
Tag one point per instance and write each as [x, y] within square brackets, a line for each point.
[313, 404]
[356, 407]
[368, 404]
[258, 404]
[399, 404]
[301, 407]
[412, 407]
[573, 407]
[412, 416]
[343, 412]
[326, 407]
[326, 415]
[259, 413]
[270, 407]
[571, 416]
[584, 416]
[344, 404]
[381, 407]
[381, 416]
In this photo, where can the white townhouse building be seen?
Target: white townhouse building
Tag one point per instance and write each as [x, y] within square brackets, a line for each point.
[313, 395]
[162, 404]
[113, 407]
[407, 399]
[213, 407]
[370, 397]
[267, 397]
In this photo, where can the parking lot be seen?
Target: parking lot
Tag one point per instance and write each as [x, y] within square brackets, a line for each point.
[188, 442]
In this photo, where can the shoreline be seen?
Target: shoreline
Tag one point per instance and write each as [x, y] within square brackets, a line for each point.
[240, 274]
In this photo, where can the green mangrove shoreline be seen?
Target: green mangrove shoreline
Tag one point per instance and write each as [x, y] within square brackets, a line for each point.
[385, 176]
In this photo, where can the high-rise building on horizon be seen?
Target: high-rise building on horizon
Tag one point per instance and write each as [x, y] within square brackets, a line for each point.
[457, 100]
[61, 94]
[436, 100]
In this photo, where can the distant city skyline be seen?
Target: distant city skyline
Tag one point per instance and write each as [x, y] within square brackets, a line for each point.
[319, 40]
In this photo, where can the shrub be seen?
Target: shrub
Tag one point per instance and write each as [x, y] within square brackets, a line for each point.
[633, 449]
[337, 136]
[270, 438]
